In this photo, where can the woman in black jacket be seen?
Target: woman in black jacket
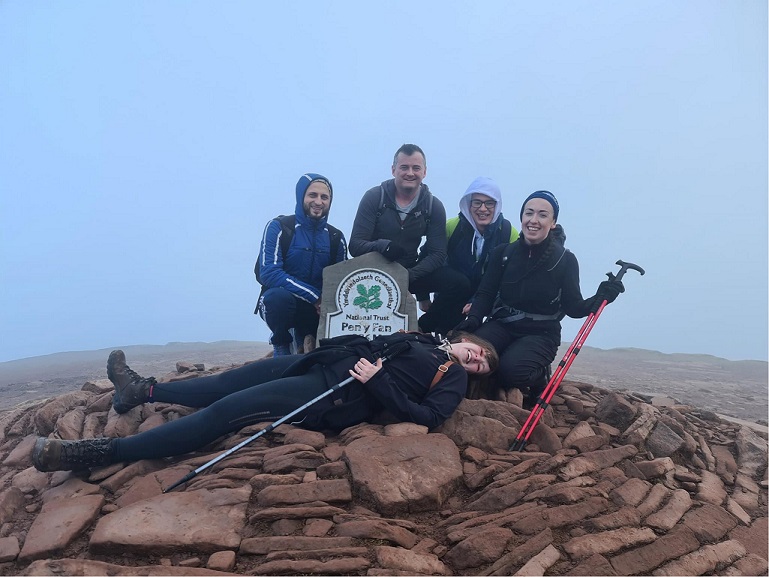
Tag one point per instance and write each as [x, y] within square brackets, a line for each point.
[423, 383]
[529, 286]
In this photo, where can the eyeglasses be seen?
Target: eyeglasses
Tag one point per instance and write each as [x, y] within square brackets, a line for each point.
[490, 204]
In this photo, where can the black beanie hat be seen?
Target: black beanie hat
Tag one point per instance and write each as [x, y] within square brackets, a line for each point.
[546, 195]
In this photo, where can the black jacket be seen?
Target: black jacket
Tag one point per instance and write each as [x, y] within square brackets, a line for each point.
[372, 233]
[402, 387]
[460, 247]
[540, 280]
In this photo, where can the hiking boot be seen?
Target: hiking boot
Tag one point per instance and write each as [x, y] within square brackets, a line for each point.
[58, 455]
[281, 350]
[529, 401]
[131, 390]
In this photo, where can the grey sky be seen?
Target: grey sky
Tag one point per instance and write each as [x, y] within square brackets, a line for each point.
[143, 146]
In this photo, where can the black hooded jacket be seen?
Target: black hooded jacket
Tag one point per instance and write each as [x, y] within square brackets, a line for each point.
[539, 280]
[402, 386]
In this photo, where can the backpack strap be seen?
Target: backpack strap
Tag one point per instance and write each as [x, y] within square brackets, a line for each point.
[382, 206]
[334, 238]
[442, 370]
[506, 230]
[454, 237]
[287, 223]
[429, 213]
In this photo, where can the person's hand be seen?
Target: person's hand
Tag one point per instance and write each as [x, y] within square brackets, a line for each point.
[364, 370]
[466, 308]
[607, 291]
[317, 306]
[424, 305]
[394, 251]
[469, 325]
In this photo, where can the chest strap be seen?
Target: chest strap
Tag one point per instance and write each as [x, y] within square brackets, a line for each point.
[442, 370]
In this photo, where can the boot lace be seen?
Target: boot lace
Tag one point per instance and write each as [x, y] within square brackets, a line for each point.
[137, 378]
[86, 451]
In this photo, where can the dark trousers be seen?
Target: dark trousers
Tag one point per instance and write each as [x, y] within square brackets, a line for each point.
[523, 357]
[282, 311]
[250, 394]
[452, 291]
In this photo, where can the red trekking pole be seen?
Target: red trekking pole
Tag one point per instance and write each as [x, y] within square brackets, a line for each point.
[543, 402]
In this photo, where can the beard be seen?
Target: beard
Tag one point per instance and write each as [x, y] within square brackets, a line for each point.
[308, 212]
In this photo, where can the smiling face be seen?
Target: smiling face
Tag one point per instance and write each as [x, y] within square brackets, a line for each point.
[472, 357]
[409, 171]
[482, 209]
[537, 220]
[317, 200]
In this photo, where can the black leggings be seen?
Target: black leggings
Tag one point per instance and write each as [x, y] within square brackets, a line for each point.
[452, 291]
[233, 399]
[523, 358]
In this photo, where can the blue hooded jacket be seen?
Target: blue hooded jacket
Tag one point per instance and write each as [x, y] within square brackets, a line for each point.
[301, 273]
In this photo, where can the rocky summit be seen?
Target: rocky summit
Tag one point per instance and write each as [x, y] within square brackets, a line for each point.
[608, 484]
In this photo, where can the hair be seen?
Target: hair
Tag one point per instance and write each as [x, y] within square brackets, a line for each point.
[492, 358]
[408, 150]
[545, 195]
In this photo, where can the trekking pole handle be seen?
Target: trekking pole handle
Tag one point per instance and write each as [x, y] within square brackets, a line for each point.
[624, 267]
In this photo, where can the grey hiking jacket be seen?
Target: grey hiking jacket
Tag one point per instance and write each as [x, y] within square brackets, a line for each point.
[376, 225]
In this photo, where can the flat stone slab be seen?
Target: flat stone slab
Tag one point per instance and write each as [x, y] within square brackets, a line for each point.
[409, 473]
[60, 521]
[200, 521]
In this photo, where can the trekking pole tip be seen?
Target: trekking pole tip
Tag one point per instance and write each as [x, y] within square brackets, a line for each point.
[181, 481]
[518, 445]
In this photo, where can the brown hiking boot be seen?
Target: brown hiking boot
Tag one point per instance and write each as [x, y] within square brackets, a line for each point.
[58, 455]
[131, 389]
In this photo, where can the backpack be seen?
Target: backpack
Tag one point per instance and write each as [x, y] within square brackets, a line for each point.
[453, 239]
[287, 224]
[383, 205]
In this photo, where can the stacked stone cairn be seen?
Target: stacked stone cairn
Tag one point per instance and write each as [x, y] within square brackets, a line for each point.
[610, 483]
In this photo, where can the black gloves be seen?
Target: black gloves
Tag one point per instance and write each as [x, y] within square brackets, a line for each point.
[469, 325]
[607, 291]
[394, 251]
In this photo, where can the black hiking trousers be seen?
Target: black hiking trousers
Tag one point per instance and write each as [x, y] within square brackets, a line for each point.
[524, 358]
[233, 399]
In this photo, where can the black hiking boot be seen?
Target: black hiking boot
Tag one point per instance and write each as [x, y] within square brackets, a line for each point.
[535, 390]
[530, 399]
[58, 455]
[131, 390]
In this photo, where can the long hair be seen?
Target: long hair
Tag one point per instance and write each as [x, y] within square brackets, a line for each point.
[492, 358]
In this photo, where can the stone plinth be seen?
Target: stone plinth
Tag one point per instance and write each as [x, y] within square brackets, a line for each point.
[366, 295]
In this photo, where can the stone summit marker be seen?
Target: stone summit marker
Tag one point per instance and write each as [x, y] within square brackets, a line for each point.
[366, 295]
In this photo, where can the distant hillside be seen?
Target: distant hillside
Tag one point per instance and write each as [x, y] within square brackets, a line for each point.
[734, 388]
[46, 376]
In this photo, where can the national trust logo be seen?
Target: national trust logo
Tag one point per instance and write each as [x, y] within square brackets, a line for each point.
[372, 288]
[367, 302]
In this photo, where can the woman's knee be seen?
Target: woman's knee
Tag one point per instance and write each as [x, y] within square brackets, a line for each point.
[514, 374]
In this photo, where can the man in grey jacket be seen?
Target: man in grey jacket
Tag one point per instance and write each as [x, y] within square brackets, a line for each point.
[393, 218]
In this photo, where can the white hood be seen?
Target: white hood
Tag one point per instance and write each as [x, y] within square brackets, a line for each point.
[481, 185]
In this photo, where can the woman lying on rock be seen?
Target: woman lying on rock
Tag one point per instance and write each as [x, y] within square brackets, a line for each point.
[423, 383]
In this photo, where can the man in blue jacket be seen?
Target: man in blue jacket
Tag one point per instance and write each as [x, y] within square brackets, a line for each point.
[293, 253]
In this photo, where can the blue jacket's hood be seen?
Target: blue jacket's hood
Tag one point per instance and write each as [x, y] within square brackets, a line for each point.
[301, 187]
